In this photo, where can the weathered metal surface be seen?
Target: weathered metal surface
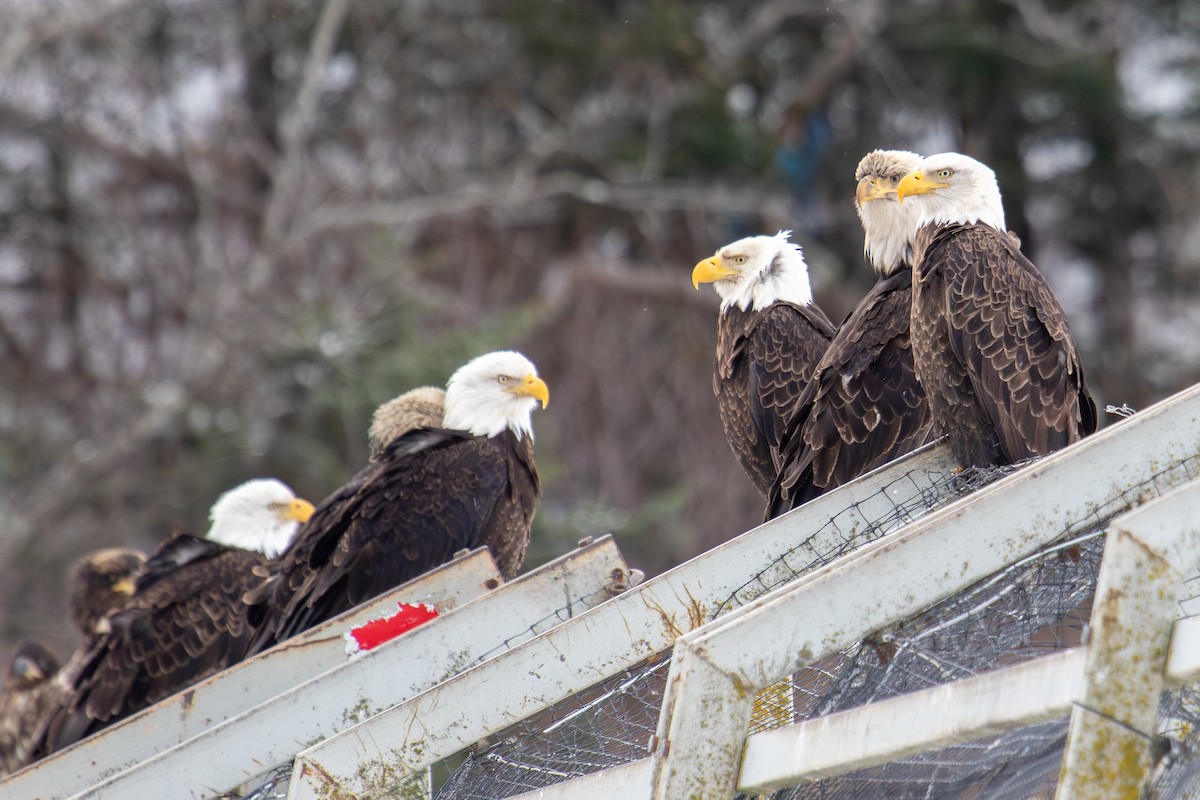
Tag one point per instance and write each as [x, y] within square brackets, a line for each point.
[243, 686]
[891, 579]
[641, 623]
[930, 719]
[1183, 659]
[626, 782]
[716, 719]
[273, 731]
[1148, 555]
[923, 721]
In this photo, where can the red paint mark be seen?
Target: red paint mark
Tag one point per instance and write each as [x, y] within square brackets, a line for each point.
[371, 634]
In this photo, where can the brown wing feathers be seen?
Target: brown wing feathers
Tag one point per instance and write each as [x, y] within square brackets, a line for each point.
[764, 359]
[1010, 335]
[863, 406]
[184, 622]
[429, 494]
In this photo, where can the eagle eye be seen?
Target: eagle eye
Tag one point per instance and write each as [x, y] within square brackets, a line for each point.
[945, 173]
[739, 259]
[503, 379]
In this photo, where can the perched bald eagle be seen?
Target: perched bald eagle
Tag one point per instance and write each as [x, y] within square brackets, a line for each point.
[102, 581]
[185, 620]
[22, 702]
[863, 406]
[422, 407]
[769, 338]
[430, 492]
[989, 338]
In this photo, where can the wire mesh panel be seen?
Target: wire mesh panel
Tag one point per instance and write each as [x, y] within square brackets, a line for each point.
[612, 723]
[1034, 606]
[1021, 763]
[1038, 605]
[605, 726]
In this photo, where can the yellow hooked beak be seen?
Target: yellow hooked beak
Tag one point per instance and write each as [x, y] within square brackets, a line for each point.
[711, 269]
[917, 183]
[124, 586]
[534, 387]
[873, 188]
[297, 511]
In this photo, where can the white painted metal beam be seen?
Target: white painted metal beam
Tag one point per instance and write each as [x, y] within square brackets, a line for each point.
[930, 719]
[641, 623]
[892, 579]
[1148, 555]
[273, 731]
[616, 783]
[922, 721]
[1183, 659]
[242, 686]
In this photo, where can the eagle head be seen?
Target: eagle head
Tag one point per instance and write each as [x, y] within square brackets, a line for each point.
[493, 392]
[261, 514]
[32, 664]
[418, 408]
[102, 581]
[888, 225]
[950, 188]
[756, 272]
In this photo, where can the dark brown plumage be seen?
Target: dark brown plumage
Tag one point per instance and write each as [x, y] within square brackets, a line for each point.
[185, 622]
[990, 340]
[769, 338]
[863, 406]
[428, 494]
[22, 703]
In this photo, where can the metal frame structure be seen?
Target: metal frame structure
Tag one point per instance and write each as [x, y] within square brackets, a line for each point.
[362, 726]
[1110, 688]
[714, 673]
[310, 707]
[212, 701]
[374, 755]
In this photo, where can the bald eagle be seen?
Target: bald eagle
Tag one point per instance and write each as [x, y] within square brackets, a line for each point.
[22, 702]
[185, 620]
[769, 338]
[422, 407]
[989, 338]
[430, 492]
[863, 406]
[101, 582]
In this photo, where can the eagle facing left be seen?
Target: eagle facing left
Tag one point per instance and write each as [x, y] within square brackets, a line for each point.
[770, 336]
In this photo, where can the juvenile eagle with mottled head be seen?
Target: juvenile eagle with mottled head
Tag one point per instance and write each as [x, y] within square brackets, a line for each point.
[990, 340]
[864, 406]
[431, 491]
[770, 335]
[23, 702]
[102, 582]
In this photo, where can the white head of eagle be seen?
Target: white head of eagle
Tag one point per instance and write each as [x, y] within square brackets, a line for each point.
[261, 514]
[889, 225]
[756, 272]
[494, 392]
[950, 188]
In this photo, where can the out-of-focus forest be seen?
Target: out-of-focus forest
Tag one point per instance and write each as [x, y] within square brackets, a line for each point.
[229, 229]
